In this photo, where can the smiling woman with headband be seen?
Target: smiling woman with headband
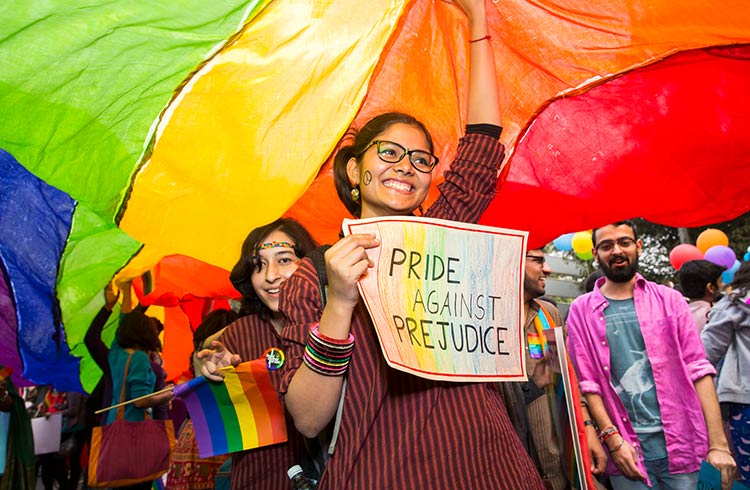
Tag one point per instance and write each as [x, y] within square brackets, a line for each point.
[270, 255]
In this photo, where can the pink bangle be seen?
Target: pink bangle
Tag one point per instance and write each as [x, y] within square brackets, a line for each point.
[487, 37]
[315, 331]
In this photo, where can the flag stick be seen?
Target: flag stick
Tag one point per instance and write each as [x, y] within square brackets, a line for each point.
[134, 400]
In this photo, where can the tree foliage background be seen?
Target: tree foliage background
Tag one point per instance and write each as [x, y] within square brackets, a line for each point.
[659, 240]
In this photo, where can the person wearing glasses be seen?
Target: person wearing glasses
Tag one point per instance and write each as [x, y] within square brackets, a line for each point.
[643, 370]
[398, 430]
[539, 392]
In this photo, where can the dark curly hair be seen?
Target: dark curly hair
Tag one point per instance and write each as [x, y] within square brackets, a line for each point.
[362, 139]
[137, 331]
[212, 323]
[695, 274]
[241, 275]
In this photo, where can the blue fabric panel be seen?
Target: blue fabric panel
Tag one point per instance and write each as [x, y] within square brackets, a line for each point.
[35, 220]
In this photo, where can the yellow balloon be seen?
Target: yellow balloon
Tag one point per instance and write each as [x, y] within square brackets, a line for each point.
[711, 237]
[582, 243]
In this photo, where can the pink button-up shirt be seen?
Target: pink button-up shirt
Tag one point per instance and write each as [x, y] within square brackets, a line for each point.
[677, 359]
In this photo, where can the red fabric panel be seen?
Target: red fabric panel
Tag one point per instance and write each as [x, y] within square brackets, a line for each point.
[669, 143]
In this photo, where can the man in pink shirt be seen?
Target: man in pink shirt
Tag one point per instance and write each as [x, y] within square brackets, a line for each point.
[644, 373]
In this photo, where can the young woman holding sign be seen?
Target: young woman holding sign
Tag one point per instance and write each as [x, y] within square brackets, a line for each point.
[398, 430]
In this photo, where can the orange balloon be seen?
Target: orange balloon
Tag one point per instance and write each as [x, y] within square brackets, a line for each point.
[711, 237]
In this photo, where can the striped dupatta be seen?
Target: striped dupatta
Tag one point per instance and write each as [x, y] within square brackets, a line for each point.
[555, 394]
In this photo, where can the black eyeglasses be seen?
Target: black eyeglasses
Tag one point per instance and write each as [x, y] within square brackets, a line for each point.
[391, 152]
[539, 260]
[622, 242]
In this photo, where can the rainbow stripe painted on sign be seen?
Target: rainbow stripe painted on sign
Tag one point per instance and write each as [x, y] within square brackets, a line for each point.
[243, 412]
[445, 297]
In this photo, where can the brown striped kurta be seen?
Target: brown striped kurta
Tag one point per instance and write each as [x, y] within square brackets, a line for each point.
[264, 467]
[399, 430]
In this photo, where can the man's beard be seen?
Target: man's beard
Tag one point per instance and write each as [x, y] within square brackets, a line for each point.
[621, 274]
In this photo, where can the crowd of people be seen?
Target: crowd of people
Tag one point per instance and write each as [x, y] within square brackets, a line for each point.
[645, 357]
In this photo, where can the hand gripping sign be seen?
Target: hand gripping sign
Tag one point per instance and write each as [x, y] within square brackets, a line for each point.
[446, 297]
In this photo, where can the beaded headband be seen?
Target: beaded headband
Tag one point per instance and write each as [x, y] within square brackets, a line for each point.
[267, 245]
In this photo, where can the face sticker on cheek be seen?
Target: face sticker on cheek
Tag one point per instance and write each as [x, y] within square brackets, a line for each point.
[367, 178]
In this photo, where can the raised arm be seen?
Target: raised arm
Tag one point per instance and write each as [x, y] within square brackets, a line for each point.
[93, 338]
[471, 181]
[483, 100]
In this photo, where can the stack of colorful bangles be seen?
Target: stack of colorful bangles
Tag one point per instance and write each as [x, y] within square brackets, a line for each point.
[328, 356]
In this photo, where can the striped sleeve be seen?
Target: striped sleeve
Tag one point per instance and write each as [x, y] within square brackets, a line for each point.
[471, 182]
[300, 306]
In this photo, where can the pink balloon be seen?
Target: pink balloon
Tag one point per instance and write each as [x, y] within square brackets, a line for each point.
[683, 253]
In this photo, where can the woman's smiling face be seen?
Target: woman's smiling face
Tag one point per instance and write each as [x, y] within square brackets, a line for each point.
[389, 189]
[276, 263]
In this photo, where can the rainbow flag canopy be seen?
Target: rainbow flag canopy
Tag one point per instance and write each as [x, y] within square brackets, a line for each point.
[243, 412]
[153, 136]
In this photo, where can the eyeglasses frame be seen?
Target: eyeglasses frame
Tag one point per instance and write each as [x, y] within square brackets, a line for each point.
[616, 242]
[406, 152]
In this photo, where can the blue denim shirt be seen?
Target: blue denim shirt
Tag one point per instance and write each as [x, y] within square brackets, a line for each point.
[677, 358]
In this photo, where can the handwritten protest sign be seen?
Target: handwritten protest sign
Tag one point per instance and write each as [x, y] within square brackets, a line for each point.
[446, 297]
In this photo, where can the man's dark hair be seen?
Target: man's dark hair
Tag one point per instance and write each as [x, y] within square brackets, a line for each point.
[627, 222]
[590, 281]
[695, 274]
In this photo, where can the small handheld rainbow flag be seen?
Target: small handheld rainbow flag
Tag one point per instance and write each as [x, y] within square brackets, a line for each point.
[243, 412]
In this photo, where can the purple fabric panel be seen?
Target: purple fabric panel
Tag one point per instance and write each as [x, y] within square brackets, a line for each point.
[9, 355]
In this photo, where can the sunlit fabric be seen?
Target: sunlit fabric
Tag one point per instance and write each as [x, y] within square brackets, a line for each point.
[178, 127]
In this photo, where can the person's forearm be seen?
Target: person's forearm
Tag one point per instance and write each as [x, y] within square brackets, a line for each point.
[154, 400]
[597, 410]
[483, 99]
[711, 412]
[312, 398]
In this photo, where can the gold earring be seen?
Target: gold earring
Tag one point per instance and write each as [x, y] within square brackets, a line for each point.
[355, 194]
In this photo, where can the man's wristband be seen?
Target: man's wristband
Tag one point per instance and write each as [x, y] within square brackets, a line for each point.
[723, 450]
[618, 447]
[589, 422]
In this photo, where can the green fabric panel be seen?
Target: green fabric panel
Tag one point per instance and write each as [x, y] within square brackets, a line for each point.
[81, 83]
[95, 251]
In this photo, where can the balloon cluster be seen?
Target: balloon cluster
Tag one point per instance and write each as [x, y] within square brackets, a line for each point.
[580, 243]
[711, 245]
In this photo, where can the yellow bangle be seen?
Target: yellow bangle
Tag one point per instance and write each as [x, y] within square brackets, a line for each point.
[722, 450]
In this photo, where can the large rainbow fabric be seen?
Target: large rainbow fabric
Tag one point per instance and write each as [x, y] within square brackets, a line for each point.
[243, 412]
[171, 129]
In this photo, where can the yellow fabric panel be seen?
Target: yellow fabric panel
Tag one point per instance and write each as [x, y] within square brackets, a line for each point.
[247, 134]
